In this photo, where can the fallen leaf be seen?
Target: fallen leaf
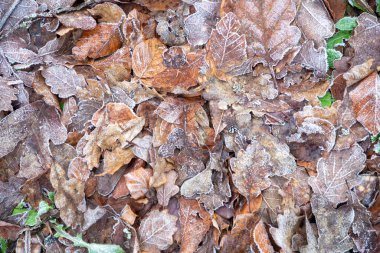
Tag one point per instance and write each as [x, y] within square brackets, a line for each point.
[10, 195]
[63, 81]
[156, 230]
[113, 160]
[7, 95]
[337, 173]
[23, 9]
[314, 21]
[199, 184]
[195, 222]
[101, 41]
[80, 20]
[333, 225]
[167, 190]
[138, 182]
[365, 105]
[261, 238]
[227, 48]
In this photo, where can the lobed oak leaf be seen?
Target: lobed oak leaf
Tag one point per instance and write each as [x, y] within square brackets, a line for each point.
[69, 197]
[101, 41]
[138, 182]
[195, 222]
[227, 48]
[365, 103]
[338, 172]
[314, 21]
[198, 25]
[266, 25]
[7, 95]
[333, 225]
[168, 189]
[157, 229]
[63, 81]
[287, 228]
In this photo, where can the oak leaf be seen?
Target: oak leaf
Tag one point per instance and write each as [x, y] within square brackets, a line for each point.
[156, 230]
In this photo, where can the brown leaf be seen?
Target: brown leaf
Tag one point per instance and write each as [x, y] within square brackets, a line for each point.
[337, 8]
[314, 59]
[156, 230]
[198, 25]
[333, 225]
[162, 5]
[138, 182]
[69, 197]
[167, 190]
[115, 124]
[9, 231]
[108, 13]
[113, 160]
[33, 119]
[261, 238]
[227, 48]
[147, 59]
[7, 95]
[63, 81]
[78, 169]
[101, 41]
[365, 103]
[195, 222]
[287, 228]
[314, 21]
[180, 79]
[337, 172]
[364, 42]
[128, 215]
[199, 184]
[10, 195]
[80, 20]
[138, 27]
[266, 25]
[23, 9]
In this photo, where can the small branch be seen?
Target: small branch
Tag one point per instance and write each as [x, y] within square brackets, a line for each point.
[8, 13]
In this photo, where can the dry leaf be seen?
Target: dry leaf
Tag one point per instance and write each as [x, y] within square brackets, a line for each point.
[79, 20]
[138, 182]
[261, 238]
[365, 103]
[113, 160]
[167, 190]
[337, 173]
[156, 230]
[7, 95]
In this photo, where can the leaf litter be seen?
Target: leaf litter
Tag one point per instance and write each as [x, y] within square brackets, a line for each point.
[189, 126]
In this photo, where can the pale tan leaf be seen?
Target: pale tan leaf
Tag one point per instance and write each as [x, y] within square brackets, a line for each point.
[167, 190]
[138, 182]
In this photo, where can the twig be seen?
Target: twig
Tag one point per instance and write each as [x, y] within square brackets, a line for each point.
[8, 13]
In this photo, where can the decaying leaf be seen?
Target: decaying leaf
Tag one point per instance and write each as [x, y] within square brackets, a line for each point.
[69, 197]
[261, 238]
[333, 225]
[365, 103]
[23, 9]
[7, 95]
[167, 190]
[156, 230]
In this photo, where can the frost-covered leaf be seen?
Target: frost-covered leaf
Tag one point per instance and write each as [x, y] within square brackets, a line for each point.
[138, 182]
[10, 195]
[101, 41]
[69, 197]
[311, 58]
[261, 238]
[167, 190]
[365, 99]
[157, 229]
[199, 184]
[7, 95]
[267, 26]
[63, 81]
[198, 25]
[314, 21]
[80, 20]
[23, 9]
[364, 41]
[195, 222]
[36, 118]
[227, 47]
[333, 225]
[337, 173]
[57, 4]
